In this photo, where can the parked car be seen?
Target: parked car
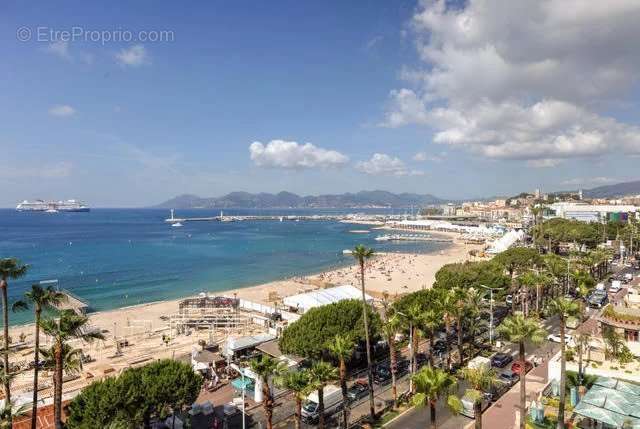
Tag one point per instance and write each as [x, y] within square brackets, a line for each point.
[468, 402]
[358, 390]
[496, 390]
[421, 358]
[517, 367]
[440, 346]
[402, 366]
[555, 338]
[509, 378]
[500, 360]
[381, 374]
[616, 285]
[598, 299]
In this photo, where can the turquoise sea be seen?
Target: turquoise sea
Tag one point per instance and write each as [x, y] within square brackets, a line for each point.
[119, 257]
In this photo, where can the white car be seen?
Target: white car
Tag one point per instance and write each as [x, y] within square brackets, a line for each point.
[555, 338]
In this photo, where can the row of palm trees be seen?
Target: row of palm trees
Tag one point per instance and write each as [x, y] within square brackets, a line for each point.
[432, 384]
[61, 357]
[300, 382]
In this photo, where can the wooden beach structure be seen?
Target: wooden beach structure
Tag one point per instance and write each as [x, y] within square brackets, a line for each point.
[71, 301]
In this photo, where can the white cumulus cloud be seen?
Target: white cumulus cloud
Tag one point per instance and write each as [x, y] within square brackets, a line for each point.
[423, 156]
[62, 111]
[292, 155]
[523, 79]
[381, 164]
[133, 56]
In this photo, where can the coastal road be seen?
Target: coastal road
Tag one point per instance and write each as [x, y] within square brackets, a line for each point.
[419, 418]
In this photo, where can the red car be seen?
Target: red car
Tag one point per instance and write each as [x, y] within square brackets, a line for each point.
[516, 367]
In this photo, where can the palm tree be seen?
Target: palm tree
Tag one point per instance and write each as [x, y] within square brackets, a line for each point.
[266, 367]
[431, 384]
[69, 326]
[480, 379]
[8, 411]
[563, 308]
[341, 347]
[459, 310]
[412, 318]
[520, 330]
[584, 282]
[583, 342]
[322, 373]
[474, 306]
[10, 268]
[448, 308]
[41, 298]
[361, 254]
[390, 328]
[429, 325]
[298, 382]
[71, 359]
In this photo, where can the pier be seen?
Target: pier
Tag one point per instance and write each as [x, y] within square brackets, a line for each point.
[70, 301]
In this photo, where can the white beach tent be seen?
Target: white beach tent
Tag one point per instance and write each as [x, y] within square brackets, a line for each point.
[304, 301]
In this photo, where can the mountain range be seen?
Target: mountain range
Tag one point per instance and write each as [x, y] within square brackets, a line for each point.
[363, 199]
[616, 190]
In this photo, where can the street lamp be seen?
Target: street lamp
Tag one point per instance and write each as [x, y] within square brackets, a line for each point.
[491, 289]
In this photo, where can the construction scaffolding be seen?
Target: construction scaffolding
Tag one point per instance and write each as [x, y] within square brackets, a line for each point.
[210, 318]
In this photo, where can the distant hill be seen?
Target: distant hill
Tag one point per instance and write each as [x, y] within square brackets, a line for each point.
[361, 199]
[616, 190]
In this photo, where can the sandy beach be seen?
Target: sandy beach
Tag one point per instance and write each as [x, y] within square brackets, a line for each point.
[144, 325]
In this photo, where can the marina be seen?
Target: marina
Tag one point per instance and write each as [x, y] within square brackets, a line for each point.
[344, 218]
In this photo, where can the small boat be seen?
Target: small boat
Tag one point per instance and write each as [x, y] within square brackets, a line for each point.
[176, 225]
[51, 211]
[347, 252]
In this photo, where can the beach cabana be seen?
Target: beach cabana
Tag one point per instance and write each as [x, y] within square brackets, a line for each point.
[238, 344]
[612, 403]
[305, 301]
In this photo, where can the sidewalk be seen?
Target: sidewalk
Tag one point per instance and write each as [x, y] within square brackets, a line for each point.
[502, 414]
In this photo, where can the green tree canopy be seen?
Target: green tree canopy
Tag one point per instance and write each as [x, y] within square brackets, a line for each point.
[518, 259]
[132, 398]
[471, 275]
[309, 335]
[558, 230]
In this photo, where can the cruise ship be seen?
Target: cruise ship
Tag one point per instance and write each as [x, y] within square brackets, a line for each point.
[52, 206]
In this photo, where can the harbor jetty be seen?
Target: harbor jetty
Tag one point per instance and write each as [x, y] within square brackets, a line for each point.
[374, 220]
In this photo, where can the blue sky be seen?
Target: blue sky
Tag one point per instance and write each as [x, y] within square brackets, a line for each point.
[131, 123]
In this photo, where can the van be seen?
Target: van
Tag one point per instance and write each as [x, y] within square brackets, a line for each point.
[467, 402]
[332, 398]
[480, 362]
